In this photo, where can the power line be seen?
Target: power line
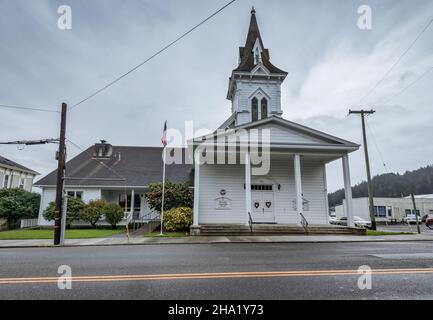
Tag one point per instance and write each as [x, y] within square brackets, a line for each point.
[377, 147]
[27, 108]
[152, 56]
[32, 142]
[100, 162]
[407, 87]
[396, 62]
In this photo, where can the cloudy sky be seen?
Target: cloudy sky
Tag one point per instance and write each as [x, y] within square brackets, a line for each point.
[332, 64]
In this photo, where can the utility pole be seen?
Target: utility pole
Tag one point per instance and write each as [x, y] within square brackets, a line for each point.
[60, 177]
[415, 212]
[367, 164]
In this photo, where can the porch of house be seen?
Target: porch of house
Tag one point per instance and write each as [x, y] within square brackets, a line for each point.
[290, 199]
[134, 202]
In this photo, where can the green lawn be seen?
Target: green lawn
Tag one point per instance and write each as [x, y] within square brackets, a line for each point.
[49, 234]
[385, 233]
[156, 234]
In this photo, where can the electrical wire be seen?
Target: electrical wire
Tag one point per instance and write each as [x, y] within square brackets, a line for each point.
[151, 57]
[27, 108]
[407, 87]
[100, 162]
[377, 147]
[396, 62]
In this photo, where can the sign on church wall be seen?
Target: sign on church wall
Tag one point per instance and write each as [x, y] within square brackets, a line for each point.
[223, 203]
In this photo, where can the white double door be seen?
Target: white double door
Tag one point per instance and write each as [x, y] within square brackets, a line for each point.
[262, 206]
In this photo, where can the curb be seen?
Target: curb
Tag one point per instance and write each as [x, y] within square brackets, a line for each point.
[198, 242]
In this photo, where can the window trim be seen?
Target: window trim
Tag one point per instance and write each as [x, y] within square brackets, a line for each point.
[5, 183]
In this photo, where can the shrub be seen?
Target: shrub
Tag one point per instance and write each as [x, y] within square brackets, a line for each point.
[113, 214]
[177, 219]
[93, 212]
[175, 195]
[18, 204]
[75, 205]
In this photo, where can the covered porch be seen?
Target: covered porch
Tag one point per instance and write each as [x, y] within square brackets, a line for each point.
[292, 193]
[134, 203]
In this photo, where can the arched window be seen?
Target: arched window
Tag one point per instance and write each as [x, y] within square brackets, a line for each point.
[254, 109]
[264, 108]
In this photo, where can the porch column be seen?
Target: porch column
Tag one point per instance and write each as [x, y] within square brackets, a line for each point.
[132, 204]
[298, 185]
[196, 188]
[142, 204]
[247, 185]
[347, 191]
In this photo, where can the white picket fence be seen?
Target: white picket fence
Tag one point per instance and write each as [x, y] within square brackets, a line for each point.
[27, 223]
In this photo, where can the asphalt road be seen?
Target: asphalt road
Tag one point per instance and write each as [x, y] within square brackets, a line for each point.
[223, 271]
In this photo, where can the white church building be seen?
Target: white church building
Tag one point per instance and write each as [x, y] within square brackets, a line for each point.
[259, 168]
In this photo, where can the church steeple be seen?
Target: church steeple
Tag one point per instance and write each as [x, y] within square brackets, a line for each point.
[248, 58]
[255, 85]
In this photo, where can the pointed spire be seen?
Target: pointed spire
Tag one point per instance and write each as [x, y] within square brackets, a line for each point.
[253, 32]
[248, 59]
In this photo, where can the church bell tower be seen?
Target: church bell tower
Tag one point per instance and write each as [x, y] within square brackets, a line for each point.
[255, 85]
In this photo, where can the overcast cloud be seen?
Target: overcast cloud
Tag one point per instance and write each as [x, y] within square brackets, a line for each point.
[331, 65]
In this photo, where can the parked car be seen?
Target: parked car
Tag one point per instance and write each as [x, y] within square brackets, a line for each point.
[410, 219]
[429, 222]
[333, 219]
[359, 222]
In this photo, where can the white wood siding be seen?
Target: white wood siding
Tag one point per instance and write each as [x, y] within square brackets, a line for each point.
[281, 135]
[49, 195]
[213, 178]
[246, 88]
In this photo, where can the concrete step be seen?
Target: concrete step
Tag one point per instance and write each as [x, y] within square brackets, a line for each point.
[274, 229]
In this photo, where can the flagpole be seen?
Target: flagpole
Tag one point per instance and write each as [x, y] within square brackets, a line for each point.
[163, 192]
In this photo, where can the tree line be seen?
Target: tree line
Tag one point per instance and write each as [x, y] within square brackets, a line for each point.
[418, 181]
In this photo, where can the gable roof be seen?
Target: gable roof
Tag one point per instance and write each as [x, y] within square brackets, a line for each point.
[129, 166]
[320, 138]
[14, 165]
[246, 53]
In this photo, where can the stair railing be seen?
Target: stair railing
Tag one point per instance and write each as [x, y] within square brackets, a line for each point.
[304, 222]
[250, 222]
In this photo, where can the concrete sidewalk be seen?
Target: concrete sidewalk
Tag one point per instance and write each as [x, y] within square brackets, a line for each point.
[216, 240]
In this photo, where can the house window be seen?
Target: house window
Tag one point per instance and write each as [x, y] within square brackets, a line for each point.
[75, 194]
[254, 109]
[6, 182]
[380, 211]
[22, 183]
[261, 187]
[264, 108]
[137, 201]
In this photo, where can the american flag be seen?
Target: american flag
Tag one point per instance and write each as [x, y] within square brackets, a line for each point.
[164, 135]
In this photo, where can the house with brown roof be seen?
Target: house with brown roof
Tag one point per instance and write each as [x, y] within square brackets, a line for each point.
[15, 175]
[115, 174]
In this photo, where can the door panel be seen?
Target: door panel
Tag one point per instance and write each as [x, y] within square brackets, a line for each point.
[262, 206]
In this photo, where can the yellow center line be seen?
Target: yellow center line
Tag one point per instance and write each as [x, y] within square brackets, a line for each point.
[220, 275]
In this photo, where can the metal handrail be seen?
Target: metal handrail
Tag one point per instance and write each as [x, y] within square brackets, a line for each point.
[304, 222]
[250, 222]
[143, 219]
